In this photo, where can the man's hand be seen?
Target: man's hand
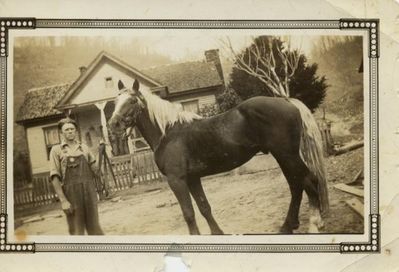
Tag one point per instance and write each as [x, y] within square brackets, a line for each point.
[66, 207]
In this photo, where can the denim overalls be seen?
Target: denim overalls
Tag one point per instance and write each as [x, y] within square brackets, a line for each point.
[79, 189]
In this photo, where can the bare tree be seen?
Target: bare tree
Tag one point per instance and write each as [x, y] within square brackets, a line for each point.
[259, 61]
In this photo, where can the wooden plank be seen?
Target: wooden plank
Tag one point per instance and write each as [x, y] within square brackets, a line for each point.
[349, 189]
[118, 176]
[348, 148]
[356, 179]
[146, 167]
[38, 192]
[139, 168]
[153, 168]
[142, 167]
[130, 174]
[136, 167]
[125, 175]
[133, 167]
[34, 192]
[16, 199]
[24, 197]
[44, 194]
[356, 205]
[115, 183]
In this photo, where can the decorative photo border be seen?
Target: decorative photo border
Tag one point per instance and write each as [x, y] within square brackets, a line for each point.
[371, 26]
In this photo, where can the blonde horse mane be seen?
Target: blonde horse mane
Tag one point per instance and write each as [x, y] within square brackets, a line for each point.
[164, 113]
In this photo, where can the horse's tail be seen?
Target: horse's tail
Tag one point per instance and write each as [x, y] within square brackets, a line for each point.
[311, 152]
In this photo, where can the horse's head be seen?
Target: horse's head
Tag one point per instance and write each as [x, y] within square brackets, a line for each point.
[129, 104]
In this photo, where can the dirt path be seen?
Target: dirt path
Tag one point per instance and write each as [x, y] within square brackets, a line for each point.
[245, 203]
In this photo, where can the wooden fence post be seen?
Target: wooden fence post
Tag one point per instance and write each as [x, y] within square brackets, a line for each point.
[328, 142]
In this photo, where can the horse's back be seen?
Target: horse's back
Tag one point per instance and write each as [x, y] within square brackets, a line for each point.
[269, 105]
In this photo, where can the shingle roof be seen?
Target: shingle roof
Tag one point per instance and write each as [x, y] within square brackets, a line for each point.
[186, 76]
[40, 102]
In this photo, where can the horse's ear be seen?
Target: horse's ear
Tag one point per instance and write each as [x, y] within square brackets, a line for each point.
[120, 85]
[136, 85]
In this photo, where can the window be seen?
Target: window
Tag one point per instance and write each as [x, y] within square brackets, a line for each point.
[109, 83]
[192, 106]
[51, 137]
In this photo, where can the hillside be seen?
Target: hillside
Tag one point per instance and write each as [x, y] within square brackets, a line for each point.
[339, 61]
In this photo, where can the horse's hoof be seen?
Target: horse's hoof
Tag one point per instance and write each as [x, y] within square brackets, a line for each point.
[313, 229]
[320, 224]
[286, 230]
[217, 232]
[295, 226]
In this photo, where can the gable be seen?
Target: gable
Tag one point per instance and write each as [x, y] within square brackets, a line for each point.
[104, 65]
[102, 82]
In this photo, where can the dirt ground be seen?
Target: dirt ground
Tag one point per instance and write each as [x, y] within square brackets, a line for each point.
[252, 201]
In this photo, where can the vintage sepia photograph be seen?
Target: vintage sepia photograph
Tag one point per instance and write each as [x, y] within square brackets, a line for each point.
[189, 134]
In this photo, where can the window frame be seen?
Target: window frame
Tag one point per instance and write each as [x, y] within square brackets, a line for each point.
[190, 101]
[46, 144]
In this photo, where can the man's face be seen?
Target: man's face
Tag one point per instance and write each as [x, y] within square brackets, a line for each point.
[69, 131]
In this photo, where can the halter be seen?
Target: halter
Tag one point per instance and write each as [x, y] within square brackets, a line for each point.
[130, 92]
[135, 113]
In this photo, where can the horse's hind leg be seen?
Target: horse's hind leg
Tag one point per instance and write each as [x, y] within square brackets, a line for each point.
[300, 178]
[293, 172]
[292, 222]
[198, 194]
[315, 220]
[181, 191]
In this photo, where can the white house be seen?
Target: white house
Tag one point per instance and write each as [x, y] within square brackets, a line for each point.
[89, 100]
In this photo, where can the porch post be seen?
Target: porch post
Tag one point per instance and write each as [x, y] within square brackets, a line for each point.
[101, 107]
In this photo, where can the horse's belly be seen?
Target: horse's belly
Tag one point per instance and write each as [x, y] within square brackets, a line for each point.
[220, 160]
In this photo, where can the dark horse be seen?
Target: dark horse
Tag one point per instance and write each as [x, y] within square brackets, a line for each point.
[187, 147]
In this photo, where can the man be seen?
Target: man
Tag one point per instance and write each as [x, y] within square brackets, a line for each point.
[73, 181]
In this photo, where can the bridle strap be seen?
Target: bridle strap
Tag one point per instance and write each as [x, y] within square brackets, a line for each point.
[118, 115]
[141, 105]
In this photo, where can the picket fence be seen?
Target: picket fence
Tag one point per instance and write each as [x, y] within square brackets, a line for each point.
[129, 170]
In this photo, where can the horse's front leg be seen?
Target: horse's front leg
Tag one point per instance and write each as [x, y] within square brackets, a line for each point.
[181, 191]
[196, 190]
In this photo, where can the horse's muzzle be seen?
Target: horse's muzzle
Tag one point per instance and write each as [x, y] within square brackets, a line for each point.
[116, 124]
